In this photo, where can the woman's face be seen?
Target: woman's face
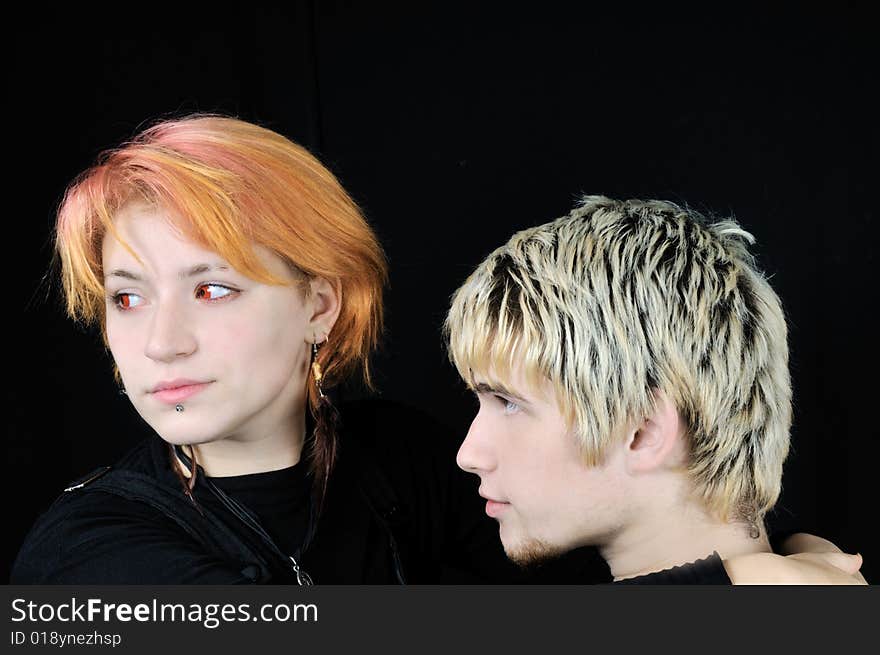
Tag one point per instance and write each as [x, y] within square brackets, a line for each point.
[233, 352]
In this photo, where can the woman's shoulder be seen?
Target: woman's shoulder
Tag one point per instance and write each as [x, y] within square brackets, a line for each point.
[66, 541]
[99, 530]
[84, 500]
[74, 498]
[81, 533]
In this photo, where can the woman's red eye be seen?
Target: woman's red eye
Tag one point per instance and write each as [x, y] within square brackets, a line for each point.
[212, 292]
[127, 300]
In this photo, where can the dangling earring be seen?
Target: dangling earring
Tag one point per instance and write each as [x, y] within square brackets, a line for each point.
[316, 369]
[324, 443]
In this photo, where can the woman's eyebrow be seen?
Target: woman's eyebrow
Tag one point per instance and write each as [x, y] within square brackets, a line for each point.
[122, 273]
[198, 269]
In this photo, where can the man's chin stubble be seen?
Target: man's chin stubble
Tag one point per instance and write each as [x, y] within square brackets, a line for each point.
[532, 553]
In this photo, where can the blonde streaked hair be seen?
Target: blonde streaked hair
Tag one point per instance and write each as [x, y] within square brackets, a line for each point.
[620, 299]
[229, 185]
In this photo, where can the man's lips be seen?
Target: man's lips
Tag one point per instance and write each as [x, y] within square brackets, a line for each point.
[177, 390]
[494, 507]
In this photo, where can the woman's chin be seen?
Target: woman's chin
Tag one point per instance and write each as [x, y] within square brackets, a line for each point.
[176, 438]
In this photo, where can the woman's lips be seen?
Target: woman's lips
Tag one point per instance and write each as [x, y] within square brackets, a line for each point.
[494, 508]
[175, 395]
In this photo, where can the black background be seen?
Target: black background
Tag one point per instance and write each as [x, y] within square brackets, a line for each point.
[453, 128]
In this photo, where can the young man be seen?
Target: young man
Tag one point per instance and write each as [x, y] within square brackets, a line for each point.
[631, 365]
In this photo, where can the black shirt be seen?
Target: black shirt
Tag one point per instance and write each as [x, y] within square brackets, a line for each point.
[94, 537]
[703, 571]
[278, 498]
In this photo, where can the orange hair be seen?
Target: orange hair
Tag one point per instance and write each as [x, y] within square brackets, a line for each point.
[228, 185]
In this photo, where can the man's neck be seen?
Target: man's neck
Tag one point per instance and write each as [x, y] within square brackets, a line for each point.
[673, 536]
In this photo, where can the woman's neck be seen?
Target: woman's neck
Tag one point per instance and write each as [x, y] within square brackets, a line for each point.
[260, 451]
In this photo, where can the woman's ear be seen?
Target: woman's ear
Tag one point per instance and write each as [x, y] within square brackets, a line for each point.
[324, 303]
[659, 441]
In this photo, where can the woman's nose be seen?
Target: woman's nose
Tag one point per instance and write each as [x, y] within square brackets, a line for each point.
[170, 335]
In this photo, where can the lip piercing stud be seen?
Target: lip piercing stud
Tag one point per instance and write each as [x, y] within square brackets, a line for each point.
[178, 407]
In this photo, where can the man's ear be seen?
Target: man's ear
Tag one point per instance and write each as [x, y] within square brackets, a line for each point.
[324, 303]
[658, 442]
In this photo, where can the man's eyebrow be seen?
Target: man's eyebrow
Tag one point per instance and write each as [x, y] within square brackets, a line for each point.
[482, 387]
[198, 269]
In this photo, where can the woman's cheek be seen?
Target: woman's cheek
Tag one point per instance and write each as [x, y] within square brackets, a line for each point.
[125, 345]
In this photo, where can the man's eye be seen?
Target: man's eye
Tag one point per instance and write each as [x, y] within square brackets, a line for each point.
[125, 301]
[212, 291]
[510, 407]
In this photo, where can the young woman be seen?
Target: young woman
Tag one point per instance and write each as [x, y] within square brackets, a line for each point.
[235, 282]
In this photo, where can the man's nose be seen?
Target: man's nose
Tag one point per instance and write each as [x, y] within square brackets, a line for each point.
[170, 334]
[476, 454]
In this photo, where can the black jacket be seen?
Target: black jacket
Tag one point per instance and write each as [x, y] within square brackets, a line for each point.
[428, 526]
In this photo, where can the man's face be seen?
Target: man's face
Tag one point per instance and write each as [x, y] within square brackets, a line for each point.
[546, 500]
[243, 345]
